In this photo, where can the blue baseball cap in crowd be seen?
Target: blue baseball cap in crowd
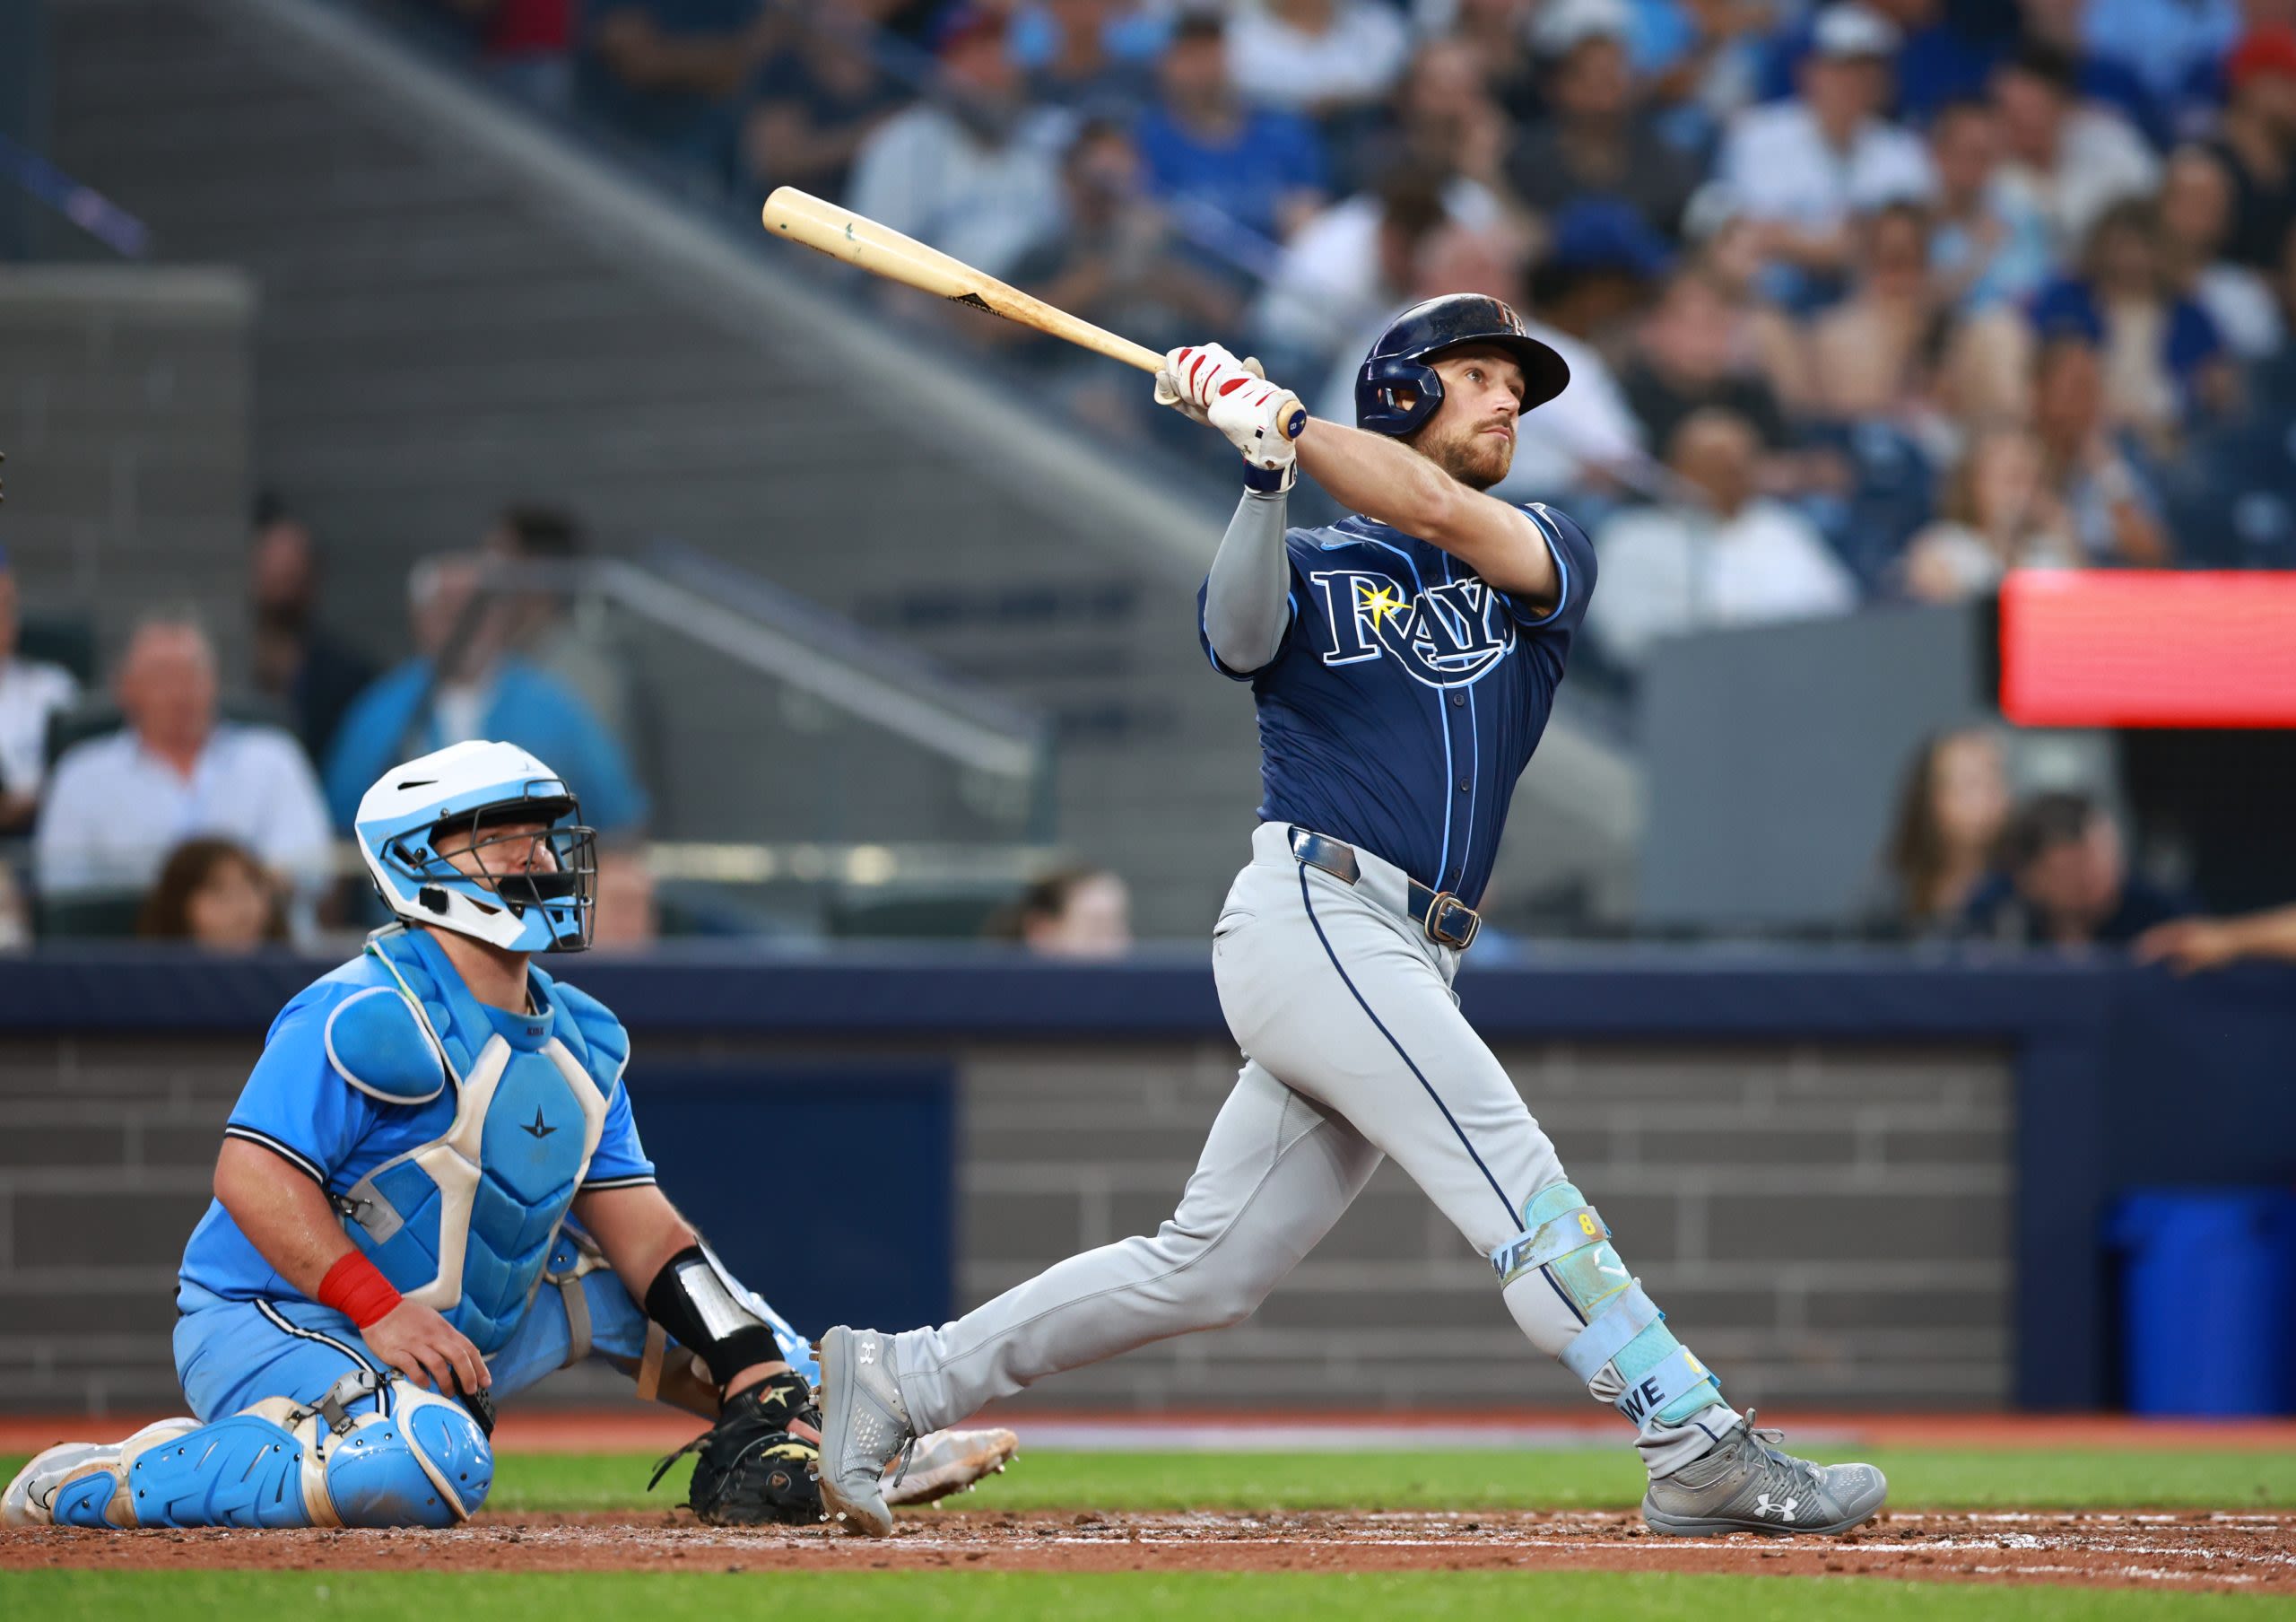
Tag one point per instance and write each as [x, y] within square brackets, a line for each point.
[1604, 234]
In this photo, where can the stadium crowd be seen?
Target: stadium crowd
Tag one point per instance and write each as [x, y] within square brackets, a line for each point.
[1861, 300]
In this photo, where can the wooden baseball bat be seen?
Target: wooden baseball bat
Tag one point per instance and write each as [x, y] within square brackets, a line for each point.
[857, 239]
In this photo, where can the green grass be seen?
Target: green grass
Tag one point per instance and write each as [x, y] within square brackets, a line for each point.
[1013, 1597]
[1574, 1478]
[1567, 1478]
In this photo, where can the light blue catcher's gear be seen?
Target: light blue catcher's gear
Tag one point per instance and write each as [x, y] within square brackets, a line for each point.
[457, 794]
[411, 1459]
[464, 1224]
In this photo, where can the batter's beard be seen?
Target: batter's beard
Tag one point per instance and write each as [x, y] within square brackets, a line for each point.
[1478, 461]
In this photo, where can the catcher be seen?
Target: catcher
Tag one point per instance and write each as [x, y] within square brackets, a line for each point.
[430, 1194]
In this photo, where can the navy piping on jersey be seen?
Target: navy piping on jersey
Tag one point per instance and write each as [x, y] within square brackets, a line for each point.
[383, 1383]
[635, 1180]
[1411, 1064]
[264, 1140]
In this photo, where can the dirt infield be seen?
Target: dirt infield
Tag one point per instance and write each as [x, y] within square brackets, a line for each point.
[2129, 1549]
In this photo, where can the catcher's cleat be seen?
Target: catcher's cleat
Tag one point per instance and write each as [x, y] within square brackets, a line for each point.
[865, 1426]
[1749, 1484]
[950, 1462]
[32, 1495]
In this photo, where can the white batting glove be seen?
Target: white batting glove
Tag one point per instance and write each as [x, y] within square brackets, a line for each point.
[1206, 384]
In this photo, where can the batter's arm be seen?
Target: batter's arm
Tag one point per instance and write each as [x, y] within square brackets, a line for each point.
[1385, 479]
[1246, 597]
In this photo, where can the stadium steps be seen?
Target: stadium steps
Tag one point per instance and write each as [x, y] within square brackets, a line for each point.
[460, 307]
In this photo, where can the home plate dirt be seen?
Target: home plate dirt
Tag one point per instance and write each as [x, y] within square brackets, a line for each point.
[2130, 1548]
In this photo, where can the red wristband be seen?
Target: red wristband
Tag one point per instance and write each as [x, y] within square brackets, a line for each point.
[355, 1287]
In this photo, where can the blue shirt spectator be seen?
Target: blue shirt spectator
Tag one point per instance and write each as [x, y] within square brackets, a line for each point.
[407, 712]
[461, 685]
[1265, 170]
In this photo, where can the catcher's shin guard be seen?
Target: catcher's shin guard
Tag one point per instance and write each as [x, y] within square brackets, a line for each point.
[423, 1462]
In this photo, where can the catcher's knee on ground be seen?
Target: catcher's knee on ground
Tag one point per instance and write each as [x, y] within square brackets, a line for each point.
[1574, 1298]
[424, 1461]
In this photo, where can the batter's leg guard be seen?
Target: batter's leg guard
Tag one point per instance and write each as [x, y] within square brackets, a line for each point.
[422, 1461]
[1564, 1282]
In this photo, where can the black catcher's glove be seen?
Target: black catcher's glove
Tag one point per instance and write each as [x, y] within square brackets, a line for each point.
[760, 1462]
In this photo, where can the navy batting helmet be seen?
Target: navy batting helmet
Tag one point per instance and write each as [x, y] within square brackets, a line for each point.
[1398, 361]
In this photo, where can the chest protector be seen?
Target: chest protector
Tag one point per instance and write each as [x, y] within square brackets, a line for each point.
[464, 1224]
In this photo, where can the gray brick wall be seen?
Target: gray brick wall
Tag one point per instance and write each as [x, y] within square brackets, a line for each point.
[124, 401]
[1828, 1223]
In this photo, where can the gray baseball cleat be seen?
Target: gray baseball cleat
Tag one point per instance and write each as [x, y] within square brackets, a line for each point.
[1747, 1484]
[865, 1424]
[950, 1462]
[28, 1498]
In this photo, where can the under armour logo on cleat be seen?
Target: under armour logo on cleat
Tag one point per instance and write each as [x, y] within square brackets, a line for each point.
[1784, 1512]
[539, 1129]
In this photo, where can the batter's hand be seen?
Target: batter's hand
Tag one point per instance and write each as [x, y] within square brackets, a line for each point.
[427, 1349]
[1209, 385]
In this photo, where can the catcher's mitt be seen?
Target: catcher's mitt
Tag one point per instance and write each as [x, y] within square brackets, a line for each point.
[760, 1465]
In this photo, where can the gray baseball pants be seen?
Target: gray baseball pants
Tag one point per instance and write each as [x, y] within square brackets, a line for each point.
[1355, 1049]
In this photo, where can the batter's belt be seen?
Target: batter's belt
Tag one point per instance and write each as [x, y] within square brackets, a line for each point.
[1441, 916]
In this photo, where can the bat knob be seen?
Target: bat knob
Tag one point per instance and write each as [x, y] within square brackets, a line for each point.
[1296, 423]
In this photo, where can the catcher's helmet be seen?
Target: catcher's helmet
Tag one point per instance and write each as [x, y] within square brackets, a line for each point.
[1398, 360]
[463, 794]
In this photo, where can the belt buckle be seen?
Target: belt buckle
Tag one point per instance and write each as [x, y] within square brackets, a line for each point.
[1438, 921]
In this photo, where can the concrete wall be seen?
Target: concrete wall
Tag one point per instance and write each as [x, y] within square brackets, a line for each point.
[1825, 1221]
[124, 404]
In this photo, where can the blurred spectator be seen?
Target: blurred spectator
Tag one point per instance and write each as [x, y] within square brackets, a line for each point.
[2256, 136]
[1201, 145]
[31, 693]
[2063, 880]
[1115, 264]
[973, 171]
[2191, 945]
[815, 101]
[2096, 473]
[1989, 243]
[1353, 265]
[461, 684]
[1726, 247]
[213, 894]
[1952, 806]
[2196, 224]
[626, 917]
[1079, 912]
[1315, 57]
[525, 46]
[1940, 56]
[1597, 141]
[669, 72]
[1686, 357]
[2163, 355]
[1804, 168]
[1715, 555]
[15, 914]
[1068, 48]
[1444, 117]
[2068, 160]
[1869, 353]
[1497, 34]
[2163, 45]
[1998, 515]
[546, 626]
[1592, 289]
[309, 673]
[119, 804]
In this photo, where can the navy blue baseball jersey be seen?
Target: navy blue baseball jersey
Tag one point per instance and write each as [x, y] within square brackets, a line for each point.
[1406, 697]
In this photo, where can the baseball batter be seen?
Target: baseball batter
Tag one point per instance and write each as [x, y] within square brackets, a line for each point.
[390, 1247]
[1404, 662]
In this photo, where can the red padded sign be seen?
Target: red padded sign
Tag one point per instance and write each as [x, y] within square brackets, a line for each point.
[2136, 648]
